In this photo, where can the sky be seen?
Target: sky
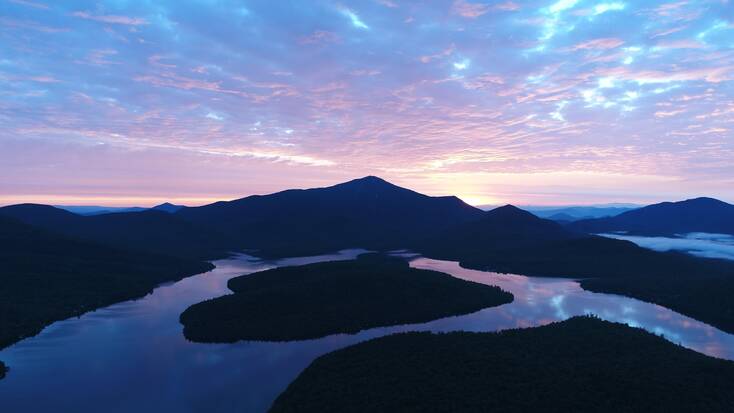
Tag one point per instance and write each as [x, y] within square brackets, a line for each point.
[547, 102]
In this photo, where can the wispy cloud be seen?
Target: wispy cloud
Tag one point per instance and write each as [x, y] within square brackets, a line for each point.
[110, 19]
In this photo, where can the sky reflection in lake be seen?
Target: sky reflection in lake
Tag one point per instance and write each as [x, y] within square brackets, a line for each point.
[133, 357]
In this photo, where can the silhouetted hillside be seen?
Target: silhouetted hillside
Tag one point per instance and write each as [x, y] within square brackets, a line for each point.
[168, 207]
[367, 213]
[315, 300]
[3, 370]
[579, 365]
[46, 277]
[575, 213]
[508, 239]
[667, 219]
[513, 241]
[151, 231]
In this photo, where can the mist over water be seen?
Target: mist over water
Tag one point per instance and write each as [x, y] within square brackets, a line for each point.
[701, 244]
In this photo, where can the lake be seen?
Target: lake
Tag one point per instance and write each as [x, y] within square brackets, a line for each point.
[132, 356]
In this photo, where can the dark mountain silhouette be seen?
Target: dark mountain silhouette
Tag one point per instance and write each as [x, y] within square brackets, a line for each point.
[47, 277]
[374, 214]
[667, 219]
[168, 207]
[510, 240]
[578, 212]
[97, 210]
[151, 231]
[367, 212]
[562, 217]
[503, 228]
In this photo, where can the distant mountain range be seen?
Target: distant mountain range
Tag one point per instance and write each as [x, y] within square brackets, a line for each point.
[148, 231]
[575, 213]
[374, 214]
[667, 219]
[100, 210]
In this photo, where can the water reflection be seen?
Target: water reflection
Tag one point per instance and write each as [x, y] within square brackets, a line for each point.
[132, 356]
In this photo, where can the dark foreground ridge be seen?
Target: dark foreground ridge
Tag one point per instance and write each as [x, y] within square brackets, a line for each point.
[316, 300]
[47, 277]
[579, 365]
[3, 370]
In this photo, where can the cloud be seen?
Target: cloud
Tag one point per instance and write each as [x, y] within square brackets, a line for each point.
[111, 19]
[320, 36]
[354, 19]
[444, 53]
[469, 10]
[35, 5]
[606, 43]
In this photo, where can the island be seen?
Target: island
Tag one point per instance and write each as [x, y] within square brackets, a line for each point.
[581, 364]
[316, 300]
[3, 370]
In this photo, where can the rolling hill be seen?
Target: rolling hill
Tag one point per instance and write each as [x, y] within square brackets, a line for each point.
[667, 219]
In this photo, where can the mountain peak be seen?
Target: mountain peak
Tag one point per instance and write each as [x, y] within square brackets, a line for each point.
[167, 207]
[369, 181]
[508, 211]
[703, 201]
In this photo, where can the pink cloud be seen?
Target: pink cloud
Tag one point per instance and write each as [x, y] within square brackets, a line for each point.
[469, 10]
[320, 36]
[30, 4]
[607, 43]
[508, 6]
[681, 44]
[444, 53]
[31, 25]
[111, 19]
[668, 31]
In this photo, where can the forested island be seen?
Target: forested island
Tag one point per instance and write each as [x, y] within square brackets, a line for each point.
[582, 364]
[315, 300]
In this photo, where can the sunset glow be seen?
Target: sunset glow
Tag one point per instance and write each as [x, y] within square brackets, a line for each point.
[528, 102]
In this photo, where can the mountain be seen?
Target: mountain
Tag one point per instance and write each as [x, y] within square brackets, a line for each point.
[148, 231]
[368, 213]
[561, 217]
[47, 277]
[97, 210]
[667, 219]
[575, 213]
[168, 207]
[508, 239]
[502, 228]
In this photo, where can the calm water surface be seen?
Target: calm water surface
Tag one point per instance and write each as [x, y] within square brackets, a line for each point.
[132, 356]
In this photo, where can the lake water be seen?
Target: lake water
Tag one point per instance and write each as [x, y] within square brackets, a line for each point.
[132, 356]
